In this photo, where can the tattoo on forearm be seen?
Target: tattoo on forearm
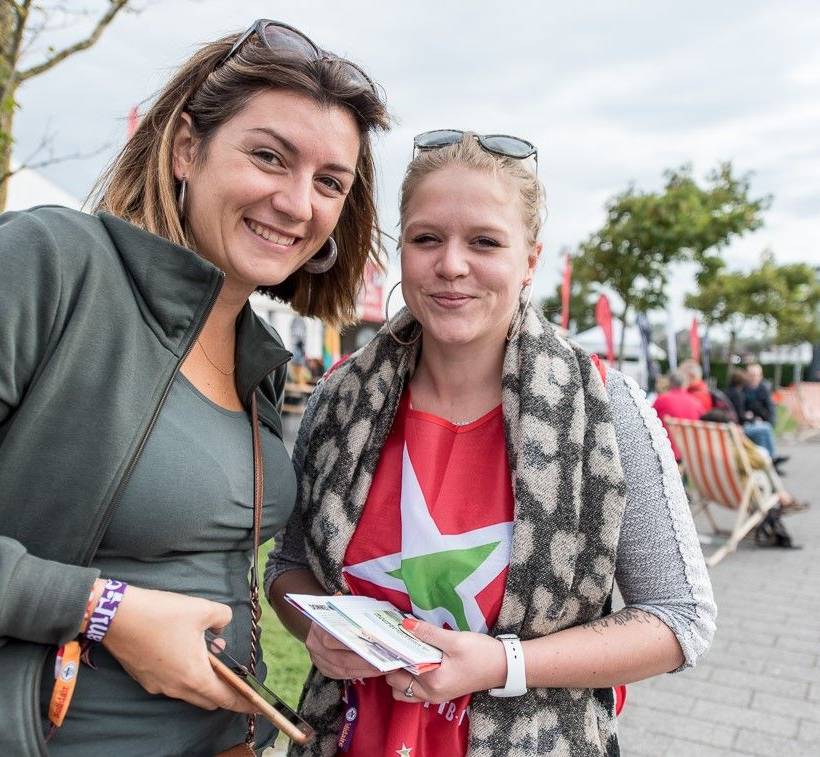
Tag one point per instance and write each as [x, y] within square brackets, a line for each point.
[621, 618]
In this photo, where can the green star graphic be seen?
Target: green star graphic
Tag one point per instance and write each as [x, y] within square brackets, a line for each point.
[431, 580]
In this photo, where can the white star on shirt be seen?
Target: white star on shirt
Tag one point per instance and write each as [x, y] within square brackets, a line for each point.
[421, 536]
[404, 751]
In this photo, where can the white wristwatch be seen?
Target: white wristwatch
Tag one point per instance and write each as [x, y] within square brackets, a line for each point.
[516, 683]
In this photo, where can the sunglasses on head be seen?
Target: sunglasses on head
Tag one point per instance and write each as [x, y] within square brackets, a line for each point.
[284, 39]
[497, 144]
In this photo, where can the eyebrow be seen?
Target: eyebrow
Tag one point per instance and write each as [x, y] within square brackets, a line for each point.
[291, 148]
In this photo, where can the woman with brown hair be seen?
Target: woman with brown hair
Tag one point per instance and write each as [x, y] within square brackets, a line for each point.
[130, 362]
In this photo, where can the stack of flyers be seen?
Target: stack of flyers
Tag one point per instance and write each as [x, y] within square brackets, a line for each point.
[372, 629]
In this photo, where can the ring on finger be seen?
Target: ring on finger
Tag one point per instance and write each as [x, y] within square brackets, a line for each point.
[408, 692]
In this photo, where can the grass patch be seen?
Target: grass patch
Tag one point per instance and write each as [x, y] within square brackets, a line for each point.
[285, 656]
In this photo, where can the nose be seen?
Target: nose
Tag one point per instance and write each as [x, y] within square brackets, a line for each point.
[295, 198]
[451, 263]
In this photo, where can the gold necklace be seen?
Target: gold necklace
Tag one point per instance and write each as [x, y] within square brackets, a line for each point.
[207, 357]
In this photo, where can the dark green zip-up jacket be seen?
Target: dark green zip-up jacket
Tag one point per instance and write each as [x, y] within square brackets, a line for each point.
[95, 317]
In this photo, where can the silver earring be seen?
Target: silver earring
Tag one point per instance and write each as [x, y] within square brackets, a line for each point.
[518, 320]
[387, 319]
[183, 191]
[324, 262]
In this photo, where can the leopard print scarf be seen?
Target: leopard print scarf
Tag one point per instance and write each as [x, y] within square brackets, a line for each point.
[569, 501]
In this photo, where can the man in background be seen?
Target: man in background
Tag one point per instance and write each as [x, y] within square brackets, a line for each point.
[677, 403]
[695, 385]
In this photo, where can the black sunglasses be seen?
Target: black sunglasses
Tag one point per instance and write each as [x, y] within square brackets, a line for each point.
[282, 38]
[497, 144]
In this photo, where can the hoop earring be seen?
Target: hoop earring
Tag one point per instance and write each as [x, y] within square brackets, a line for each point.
[518, 321]
[183, 191]
[387, 319]
[323, 263]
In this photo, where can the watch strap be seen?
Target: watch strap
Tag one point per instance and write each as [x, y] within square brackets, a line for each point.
[516, 683]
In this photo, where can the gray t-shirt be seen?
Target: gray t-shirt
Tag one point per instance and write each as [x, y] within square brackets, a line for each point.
[184, 524]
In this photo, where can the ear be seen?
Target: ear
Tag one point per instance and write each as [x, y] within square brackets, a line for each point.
[185, 147]
[532, 261]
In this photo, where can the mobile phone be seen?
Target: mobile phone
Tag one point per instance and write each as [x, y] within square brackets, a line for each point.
[269, 705]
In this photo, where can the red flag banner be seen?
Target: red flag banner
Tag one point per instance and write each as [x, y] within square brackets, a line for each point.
[603, 316]
[133, 121]
[565, 291]
[694, 340]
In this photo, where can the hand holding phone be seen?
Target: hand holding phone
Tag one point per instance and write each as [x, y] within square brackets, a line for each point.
[268, 704]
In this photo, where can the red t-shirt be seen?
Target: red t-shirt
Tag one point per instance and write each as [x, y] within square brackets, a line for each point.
[434, 539]
[699, 391]
[677, 403]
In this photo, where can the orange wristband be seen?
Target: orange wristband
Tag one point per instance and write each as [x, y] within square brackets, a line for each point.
[66, 668]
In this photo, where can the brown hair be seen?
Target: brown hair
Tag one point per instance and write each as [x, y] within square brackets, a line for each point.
[469, 153]
[140, 186]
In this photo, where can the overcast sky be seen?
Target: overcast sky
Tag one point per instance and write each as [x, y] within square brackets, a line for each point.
[610, 92]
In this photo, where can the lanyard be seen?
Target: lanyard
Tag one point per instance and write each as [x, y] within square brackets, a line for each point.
[351, 700]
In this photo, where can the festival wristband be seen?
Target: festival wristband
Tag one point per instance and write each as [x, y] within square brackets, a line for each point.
[106, 609]
[66, 667]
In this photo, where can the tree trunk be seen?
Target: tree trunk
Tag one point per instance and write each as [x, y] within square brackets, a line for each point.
[732, 340]
[7, 89]
[778, 373]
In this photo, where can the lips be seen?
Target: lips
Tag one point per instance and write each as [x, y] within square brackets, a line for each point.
[451, 299]
[270, 234]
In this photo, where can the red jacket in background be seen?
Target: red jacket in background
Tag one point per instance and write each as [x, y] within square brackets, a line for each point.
[700, 392]
[677, 403]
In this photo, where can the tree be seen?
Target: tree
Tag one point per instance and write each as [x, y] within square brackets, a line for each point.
[22, 23]
[783, 298]
[645, 232]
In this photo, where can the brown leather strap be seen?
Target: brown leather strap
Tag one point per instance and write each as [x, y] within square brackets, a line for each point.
[258, 491]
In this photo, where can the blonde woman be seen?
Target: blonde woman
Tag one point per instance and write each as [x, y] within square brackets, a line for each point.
[480, 472]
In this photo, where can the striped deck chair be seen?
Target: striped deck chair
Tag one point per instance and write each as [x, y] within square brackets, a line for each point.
[719, 473]
[803, 403]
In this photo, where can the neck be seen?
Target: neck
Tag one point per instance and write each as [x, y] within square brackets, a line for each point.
[458, 382]
[221, 324]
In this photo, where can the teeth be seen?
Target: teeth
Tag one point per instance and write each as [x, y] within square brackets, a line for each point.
[270, 234]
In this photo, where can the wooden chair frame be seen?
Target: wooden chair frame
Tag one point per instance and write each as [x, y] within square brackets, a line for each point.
[719, 474]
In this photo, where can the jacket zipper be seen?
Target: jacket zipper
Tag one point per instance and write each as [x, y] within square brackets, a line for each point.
[112, 506]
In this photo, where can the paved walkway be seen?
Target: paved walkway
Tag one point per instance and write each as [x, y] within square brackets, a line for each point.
[757, 692]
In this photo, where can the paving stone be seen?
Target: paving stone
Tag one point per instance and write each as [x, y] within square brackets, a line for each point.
[798, 708]
[777, 725]
[642, 742]
[659, 699]
[774, 654]
[814, 692]
[794, 644]
[681, 726]
[685, 748]
[714, 692]
[754, 742]
[810, 731]
[793, 672]
[752, 681]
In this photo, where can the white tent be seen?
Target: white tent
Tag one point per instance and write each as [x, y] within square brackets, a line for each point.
[28, 188]
[592, 340]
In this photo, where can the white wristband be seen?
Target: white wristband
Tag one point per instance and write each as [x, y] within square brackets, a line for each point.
[516, 683]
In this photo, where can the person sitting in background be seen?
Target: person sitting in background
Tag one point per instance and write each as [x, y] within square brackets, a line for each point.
[677, 403]
[758, 395]
[758, 430]
[695, 385]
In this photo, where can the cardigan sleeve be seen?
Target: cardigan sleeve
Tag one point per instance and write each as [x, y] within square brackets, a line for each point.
[659, 567]
[289, 552]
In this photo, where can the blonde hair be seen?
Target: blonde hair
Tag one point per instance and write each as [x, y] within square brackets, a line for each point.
[469, 153]
[140, 185]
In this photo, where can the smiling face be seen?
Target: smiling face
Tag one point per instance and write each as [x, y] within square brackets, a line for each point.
[270, 187]
[465, 255]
